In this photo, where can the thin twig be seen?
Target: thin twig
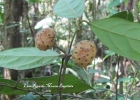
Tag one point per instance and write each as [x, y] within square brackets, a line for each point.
[17, 83]
[65, 66]
[26, 90]
[133, 80]
[61, 71]
[75, 35]
[132, 83]
[114, 92]
[86, 22]
[26, 12]
[59, 80]
[135, 93]
[117, 76]
[60, 49]
[72, 40]
[62, 74]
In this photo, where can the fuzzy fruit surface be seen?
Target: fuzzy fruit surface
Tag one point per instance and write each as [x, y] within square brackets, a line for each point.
[44, 39]
[84, 53]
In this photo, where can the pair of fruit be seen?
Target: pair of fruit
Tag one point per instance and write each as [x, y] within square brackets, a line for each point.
[83, 53]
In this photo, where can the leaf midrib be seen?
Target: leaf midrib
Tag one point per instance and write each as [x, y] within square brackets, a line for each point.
[71, 8]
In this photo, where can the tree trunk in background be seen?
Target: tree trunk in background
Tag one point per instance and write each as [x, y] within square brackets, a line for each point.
[35, 18]
[126, 6]
[12, 35]
[79, 33]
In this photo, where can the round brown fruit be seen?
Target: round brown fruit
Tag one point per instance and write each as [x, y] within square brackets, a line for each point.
[84, 53]
[44, 39]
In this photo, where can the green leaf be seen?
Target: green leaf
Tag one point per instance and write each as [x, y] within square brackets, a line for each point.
[13, 25]
[99, 88]
[95, 71]
[80, 72]
[115, 3]
[69, 8]
[113, 11]
[102, 80]
[121, 97]
[71, 83]
[32, 1]
[119, 35]
[108, 53]
[26, 58]
[72, 71]
[10, 90]
[29, 96]
[125, 15]
[124, 79]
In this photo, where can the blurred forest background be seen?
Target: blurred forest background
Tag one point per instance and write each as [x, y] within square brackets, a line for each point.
[20, 20]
